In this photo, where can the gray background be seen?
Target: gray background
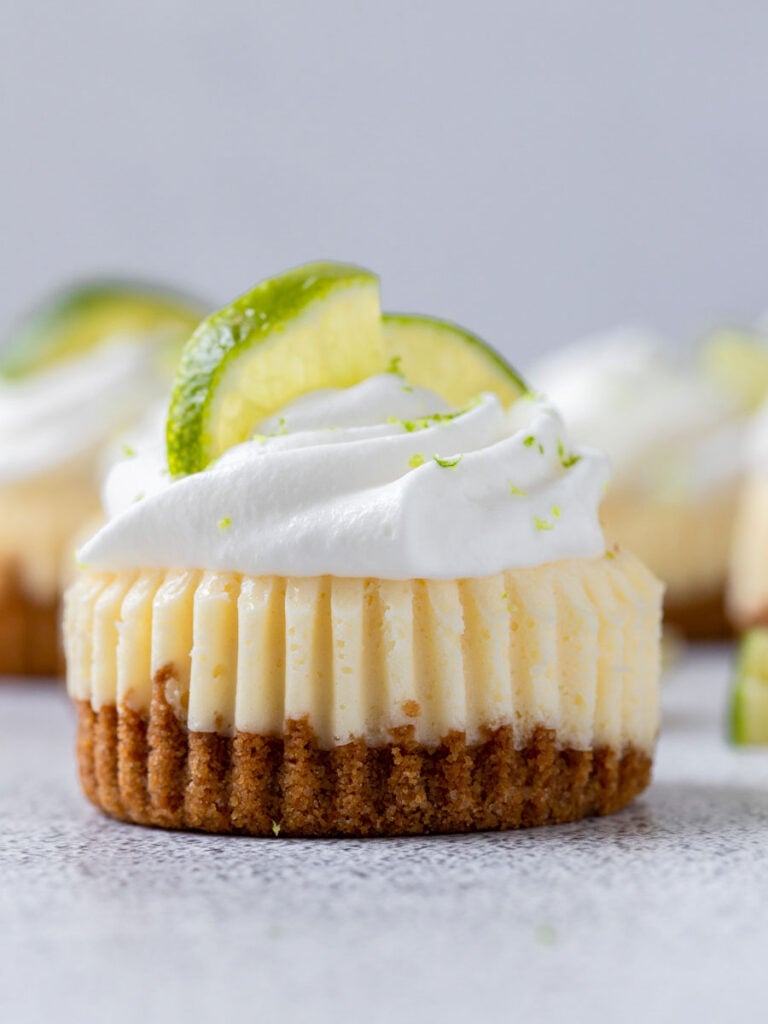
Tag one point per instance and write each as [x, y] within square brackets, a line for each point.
[536, 170]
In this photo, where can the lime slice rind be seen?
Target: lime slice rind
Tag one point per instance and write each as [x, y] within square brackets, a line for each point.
[449, 359]
[748, 712]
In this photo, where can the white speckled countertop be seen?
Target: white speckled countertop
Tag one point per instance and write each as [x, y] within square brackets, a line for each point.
[658, 913]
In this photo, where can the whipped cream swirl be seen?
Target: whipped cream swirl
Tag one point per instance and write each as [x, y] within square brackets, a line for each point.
[669, 429]
[66, 413]
[379, 480]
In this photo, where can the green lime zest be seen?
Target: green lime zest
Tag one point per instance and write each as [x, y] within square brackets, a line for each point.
[566, 460]
[225, 522]
[517, 491]
[416, 460]
[424, 422]
[542, 524]
[448, 463]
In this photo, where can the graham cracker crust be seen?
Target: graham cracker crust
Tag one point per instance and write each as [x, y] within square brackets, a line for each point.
[700, 617]
[30, 641]
[149, 769]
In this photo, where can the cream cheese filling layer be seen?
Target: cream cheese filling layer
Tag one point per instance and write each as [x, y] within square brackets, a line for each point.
[572, 646]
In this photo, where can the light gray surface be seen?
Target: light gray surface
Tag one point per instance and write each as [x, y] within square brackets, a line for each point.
[657, 913]
[535, 170]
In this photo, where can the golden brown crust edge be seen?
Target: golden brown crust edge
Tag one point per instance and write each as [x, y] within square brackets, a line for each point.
[150, 770]
[30, 639]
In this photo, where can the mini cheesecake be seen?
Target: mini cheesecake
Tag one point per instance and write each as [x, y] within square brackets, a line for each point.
[73, 375]
[352, 603]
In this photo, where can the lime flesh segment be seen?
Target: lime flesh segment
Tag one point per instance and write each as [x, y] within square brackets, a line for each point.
[749, 702]
[448, 359]
[78, 320]
[738, 361]
[316, 326]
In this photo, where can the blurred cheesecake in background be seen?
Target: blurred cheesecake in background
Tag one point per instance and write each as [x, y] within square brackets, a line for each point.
[675, 429]
[73, 374]
[748, 586]
[748, 595]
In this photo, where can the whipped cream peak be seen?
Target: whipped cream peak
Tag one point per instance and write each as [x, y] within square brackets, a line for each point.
[377, 480]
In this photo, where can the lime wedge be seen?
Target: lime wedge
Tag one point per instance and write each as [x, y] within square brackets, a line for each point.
[448, 359]
[77, 320]
[749, 702]
[738, 361]
[316, 326]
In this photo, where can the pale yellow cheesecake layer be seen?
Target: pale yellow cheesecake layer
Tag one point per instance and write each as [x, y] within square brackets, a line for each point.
[572, 646]
[748, 584]
[685, 543]
[39, 522]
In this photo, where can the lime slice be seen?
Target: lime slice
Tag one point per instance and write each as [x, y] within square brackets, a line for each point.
[77, 320]
[738, 361]
[448, 359]
[749, 702]
[316, 326]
